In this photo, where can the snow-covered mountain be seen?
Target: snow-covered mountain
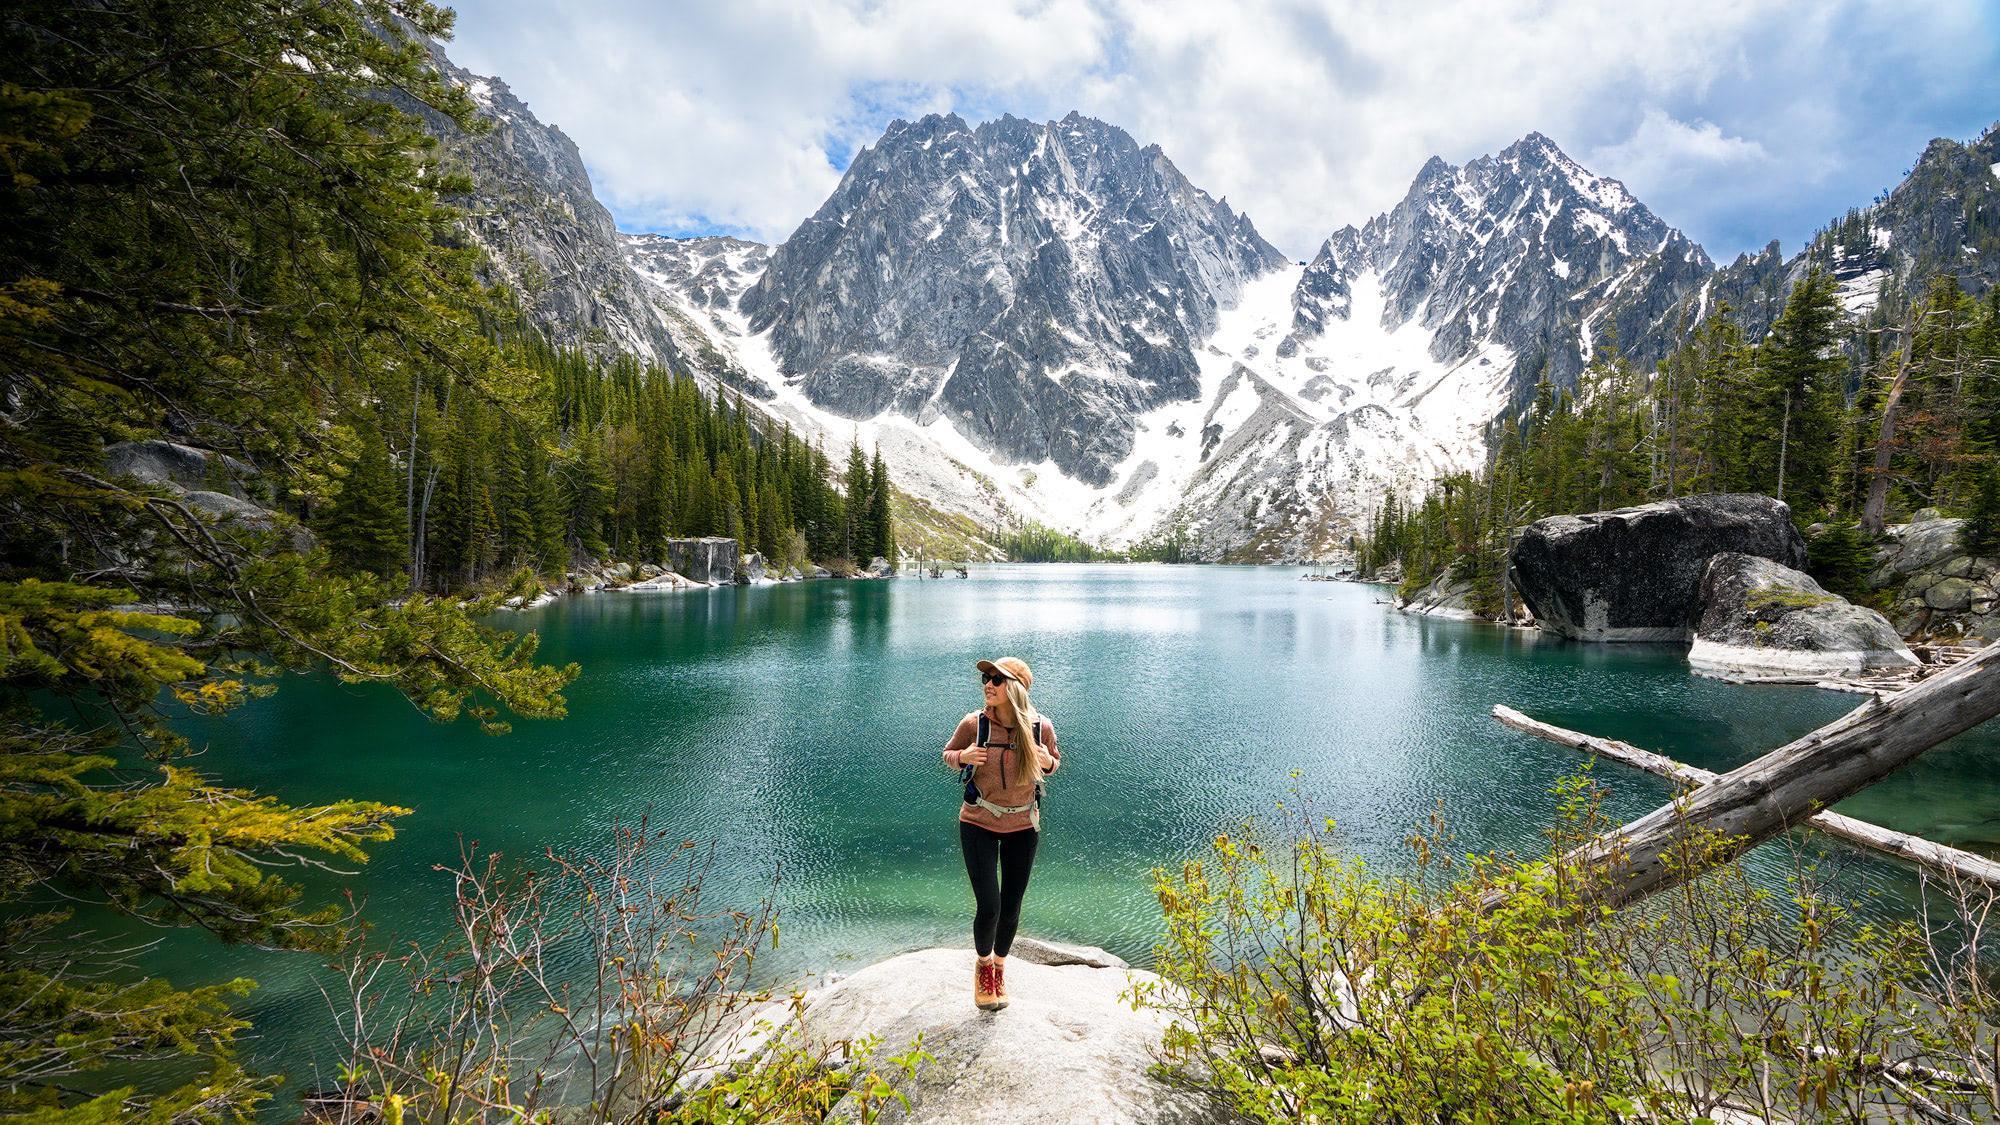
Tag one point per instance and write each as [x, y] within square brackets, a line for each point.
[697, 283]
[1040, 286]
[1405, 337]
[1047, 321]
[1302, 393]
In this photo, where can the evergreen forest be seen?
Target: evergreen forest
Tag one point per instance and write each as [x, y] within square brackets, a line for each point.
[216, 231]
[1851, 425]
[602, 460]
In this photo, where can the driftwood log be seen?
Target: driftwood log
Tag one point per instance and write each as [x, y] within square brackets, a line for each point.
[1791, 784]
[1962, 866]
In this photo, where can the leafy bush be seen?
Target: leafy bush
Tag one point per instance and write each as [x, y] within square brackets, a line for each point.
[1305, 986]
[495, 1023]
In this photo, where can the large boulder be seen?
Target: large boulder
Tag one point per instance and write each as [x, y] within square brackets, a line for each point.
[711, 560]
[1757, 616]
[754, 569]
[180, 467]
[1067, 1049]
[880, 568]
[1634, 574]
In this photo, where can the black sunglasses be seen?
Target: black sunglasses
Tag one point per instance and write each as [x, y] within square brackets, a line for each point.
[994, 678]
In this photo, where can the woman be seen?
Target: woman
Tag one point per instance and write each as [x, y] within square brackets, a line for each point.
[1000, 824]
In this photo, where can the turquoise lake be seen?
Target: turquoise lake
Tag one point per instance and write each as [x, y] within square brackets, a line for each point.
[797, 728]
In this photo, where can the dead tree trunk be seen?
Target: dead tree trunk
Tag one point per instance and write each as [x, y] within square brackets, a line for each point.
[1878, 484]
[1787, 786]
[1962, 866]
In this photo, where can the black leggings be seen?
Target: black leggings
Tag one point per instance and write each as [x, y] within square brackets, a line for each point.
[998, 895]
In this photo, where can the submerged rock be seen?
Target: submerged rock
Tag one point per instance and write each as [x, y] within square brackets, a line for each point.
[1634, 574]
[1758, 616]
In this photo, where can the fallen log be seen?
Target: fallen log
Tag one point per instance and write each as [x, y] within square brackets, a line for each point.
[1960, 865]
[1787, 786]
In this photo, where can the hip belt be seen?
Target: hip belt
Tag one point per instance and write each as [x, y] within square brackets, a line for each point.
[1001, 810]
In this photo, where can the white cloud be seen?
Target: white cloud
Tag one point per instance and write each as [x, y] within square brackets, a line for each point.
[1663, 154]
[1306, 113]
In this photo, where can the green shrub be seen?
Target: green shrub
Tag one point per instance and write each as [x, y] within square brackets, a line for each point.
[1306, 986]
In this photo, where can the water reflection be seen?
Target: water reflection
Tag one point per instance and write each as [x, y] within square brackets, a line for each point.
[797, 729]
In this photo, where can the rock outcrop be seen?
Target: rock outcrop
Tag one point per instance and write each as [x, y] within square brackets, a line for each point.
[1634, 574]
[180, 467]
[211, 484]
[1444, 597]
[1068, 1049]
[1759, 616]
[711, 560]
[1936, 587]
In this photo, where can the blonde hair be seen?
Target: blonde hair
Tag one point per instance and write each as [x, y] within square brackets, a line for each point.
[1027, 763]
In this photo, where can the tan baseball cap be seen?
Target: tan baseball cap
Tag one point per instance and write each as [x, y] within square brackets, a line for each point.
[1012, 667]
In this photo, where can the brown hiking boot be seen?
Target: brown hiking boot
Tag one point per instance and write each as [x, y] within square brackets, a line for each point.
[1000, 984]
[985, 980]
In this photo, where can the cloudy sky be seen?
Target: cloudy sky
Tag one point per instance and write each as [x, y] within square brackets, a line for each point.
[1738, 121]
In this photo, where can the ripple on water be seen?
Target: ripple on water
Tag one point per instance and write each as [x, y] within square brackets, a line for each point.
[796, 730]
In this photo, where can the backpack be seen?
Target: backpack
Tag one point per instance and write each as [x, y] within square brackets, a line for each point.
[972, 794]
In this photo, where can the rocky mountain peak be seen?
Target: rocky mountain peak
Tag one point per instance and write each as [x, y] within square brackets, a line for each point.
[1944, 217]
[1036, 285]
[1508, 249]
[543, 232]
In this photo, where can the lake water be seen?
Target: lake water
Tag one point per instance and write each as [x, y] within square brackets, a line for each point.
[798, 727]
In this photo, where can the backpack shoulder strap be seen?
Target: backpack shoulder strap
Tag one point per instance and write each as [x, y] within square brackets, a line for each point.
[984, 732]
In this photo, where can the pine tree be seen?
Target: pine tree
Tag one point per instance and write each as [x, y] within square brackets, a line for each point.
[881, 520]
[855, 482]
[215, 219]
[1799, 375]
[1980, 534]
[364, 527]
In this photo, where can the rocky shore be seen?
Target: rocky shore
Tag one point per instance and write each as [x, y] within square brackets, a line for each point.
[1726, 575]
[692, 564]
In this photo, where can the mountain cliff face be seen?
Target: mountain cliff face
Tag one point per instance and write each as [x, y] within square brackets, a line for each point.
[1943, 218]
[1039, 286]
[1405, 337]
[1525, 251]
[542, 229]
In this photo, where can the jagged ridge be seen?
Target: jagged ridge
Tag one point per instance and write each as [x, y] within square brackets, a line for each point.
[1038, 285]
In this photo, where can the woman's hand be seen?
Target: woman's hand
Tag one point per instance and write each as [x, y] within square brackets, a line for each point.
[1046, 759]
[972, 756]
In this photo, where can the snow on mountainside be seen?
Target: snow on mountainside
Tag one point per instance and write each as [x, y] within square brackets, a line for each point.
[699, 280]
[1525, 252]
[1038, 286]
[1308, 391]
